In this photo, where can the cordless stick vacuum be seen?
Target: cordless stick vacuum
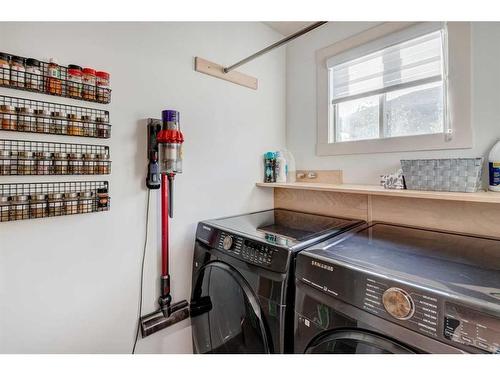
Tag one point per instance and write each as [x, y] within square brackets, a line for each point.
[165, 144]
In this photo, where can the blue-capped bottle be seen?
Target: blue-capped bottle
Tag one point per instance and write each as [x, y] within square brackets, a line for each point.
[270, 167]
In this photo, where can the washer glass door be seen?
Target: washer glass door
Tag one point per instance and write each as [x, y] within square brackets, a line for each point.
[351, 341]
[226, 316]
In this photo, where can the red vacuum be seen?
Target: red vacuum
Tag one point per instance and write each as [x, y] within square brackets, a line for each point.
[165, 141]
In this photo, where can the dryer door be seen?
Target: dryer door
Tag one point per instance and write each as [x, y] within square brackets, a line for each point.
[226, 315]
[355, 341]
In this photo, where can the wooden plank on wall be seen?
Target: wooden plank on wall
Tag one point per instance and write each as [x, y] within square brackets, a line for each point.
[323, 202]
[216, 70]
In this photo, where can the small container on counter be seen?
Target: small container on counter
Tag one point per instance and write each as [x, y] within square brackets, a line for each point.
[34, 78]
[75, 163]
[89, 82]
[8, 117]
[85, 202]
[4, 208]
[5, 163]
[103, 93]
[88, 126]
[102, 198]
[43, 163]
[89, 164]
[102, 127]
[103, 164]
[19, 208]
[42, 121]
[38, 206]
[54, 81]
[70, 203]
[4, 69]
[58, 123]
[25, 163]
[75, 78]
[74, 127]
[25, 119]
[60, 163]
[17, 72]
[55, 203]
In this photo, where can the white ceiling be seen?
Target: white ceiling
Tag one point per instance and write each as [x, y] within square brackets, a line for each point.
[287, 28]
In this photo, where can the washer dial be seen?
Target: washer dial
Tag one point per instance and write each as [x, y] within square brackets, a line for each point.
[398, 303]
[227, 243]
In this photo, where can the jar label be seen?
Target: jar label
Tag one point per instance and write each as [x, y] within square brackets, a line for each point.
[494, 174]
[55, 73]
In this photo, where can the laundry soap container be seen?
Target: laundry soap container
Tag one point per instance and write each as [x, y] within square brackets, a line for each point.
[494, 167]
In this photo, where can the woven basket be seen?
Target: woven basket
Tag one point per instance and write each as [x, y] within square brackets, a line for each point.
[460, 175]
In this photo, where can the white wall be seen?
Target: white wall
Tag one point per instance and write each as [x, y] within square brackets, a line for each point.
[366, 168]
[71, 284]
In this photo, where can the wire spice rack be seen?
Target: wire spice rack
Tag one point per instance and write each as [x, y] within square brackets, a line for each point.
[50, 158]
[42, 82]
[48, 199]
[35, 116]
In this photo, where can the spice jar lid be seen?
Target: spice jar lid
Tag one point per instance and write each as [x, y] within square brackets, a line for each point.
[5, 56]
[89, 156]
[53, 60]
[60, 155]
[75, 72]
[6, 108]
[75, 155]
[101, 74]
[25, 154]
[89, 71]
[71, 195]
[38, 198]
[86, 194]
[55, 196]
[18, 59]
[42, 155]
[74, 67]
[40, 112]
[20, 198]
[33, 62]
[4, 199]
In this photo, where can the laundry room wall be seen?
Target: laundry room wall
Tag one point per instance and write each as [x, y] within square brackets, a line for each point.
[71, 284]
[366, 168]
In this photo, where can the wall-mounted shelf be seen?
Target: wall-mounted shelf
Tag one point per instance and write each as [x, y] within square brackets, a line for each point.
[481, 197]
[43, 82]
[35, 116]
[51, 158]
[48, 199]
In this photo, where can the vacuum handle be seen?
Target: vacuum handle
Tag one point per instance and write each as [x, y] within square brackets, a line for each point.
[171, 195]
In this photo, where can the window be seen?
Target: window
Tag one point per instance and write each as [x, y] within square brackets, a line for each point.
[392, 92]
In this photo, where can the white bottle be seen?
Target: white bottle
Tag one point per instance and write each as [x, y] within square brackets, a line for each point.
[494, 167]
[281, 167]
[290, 165]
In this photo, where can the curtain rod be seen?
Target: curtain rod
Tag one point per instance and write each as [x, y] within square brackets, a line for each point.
[275, 45]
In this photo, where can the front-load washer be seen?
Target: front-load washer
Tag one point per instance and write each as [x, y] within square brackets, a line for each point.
[243, 284]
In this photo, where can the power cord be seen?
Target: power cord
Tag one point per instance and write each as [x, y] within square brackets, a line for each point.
[142, 272]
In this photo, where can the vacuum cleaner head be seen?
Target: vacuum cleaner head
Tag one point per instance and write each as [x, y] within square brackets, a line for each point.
[161, 319]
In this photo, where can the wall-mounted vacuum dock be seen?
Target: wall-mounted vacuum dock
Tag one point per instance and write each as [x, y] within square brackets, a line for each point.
[165, 141]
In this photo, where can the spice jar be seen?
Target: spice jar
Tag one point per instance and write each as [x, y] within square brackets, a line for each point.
[25, 119]
[42, 122]
[38, 206]
[75, 81]
[88, 127]
[43, 163]
[55, 203]
[4, 208]
[85, 202]
[60, 163]
[17, 72]
[89, 81]
[89, 164]
[102, 199]
[75, 163]
[8, 117]
[34, 80]
[103, 164]
[102, 127]
[58, 123]
[103, 92]
[70, 203]
[54, 82]
[25, 163]
[4, 163]
[4, 69]
[74, 127]
[19, 208]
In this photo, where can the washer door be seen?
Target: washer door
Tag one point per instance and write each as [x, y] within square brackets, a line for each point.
[226, 315]
[354, 341]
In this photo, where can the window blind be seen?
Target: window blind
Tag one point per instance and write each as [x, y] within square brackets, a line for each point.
[401, 65]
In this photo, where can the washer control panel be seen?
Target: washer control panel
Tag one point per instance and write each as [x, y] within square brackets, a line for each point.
[468, 327]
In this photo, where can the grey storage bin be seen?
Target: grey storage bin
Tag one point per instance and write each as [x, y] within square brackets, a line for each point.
[460, 175]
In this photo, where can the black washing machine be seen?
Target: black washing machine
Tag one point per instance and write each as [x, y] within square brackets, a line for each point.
[397, 289]
[243, 284]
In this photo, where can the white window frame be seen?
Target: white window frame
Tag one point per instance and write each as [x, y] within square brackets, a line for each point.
[457, 78]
